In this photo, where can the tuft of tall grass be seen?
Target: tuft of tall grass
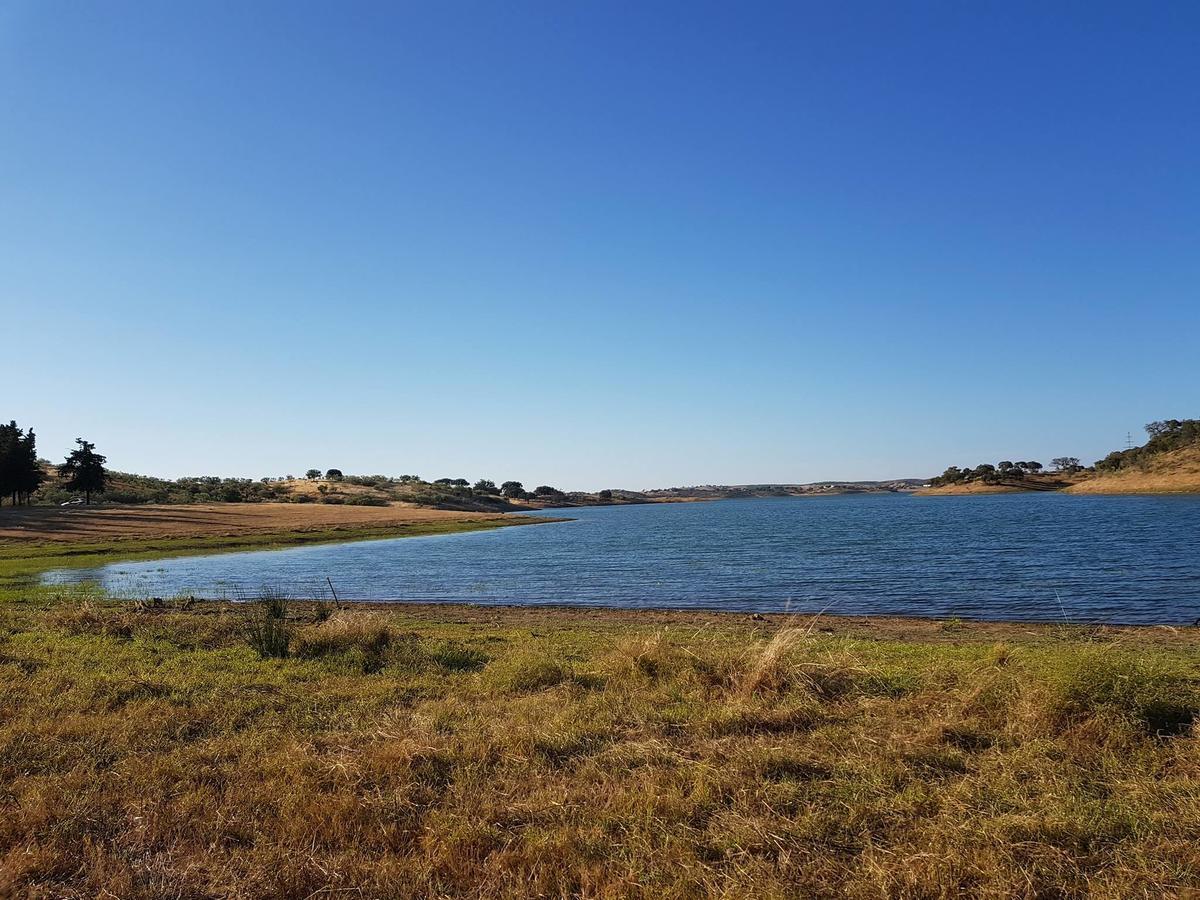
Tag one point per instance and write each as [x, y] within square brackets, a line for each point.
[827, 672]
[771, 672]
[267, 629]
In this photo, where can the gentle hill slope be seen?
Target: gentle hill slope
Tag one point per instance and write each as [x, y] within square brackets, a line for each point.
[1051, 482]
[1169, 462]
[1174, 471]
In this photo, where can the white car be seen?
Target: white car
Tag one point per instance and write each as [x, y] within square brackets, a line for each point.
[76, 502]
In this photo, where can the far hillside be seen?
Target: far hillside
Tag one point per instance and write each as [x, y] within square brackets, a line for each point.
[84, 476]
[331, 487]
[1169, 462]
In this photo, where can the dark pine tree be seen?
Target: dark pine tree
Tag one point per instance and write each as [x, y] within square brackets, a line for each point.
[20, 472]
[29, 473]
[10, 436]
[84, 470]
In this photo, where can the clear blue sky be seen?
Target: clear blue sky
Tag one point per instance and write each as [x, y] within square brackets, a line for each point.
[598, 244]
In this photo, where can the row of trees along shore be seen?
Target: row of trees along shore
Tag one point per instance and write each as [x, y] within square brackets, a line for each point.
[22, 473]
[484, 487]
[1004, 471]
[1163, 436]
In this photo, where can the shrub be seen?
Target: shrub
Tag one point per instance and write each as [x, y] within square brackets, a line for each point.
[365, 500]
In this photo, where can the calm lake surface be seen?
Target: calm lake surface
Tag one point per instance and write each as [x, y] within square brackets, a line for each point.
[1020, 556]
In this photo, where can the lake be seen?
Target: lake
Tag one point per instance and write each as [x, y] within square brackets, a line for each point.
[1017, 556]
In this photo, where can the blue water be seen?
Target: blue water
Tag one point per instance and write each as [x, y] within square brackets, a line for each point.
[1021, 556]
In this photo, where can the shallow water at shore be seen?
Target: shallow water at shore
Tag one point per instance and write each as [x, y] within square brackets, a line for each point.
[1047, 557]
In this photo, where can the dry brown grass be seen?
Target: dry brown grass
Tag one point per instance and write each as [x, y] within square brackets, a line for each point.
[516, 753]
[1049, 481]
[1176, 471]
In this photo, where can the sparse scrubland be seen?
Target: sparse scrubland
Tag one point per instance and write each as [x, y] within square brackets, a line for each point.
[276, 749]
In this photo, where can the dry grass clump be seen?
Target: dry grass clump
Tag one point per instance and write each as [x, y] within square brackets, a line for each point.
[526, 671]
[688, 656]
[365, 641]
[88, 617]
[533, 753]
[793, 660]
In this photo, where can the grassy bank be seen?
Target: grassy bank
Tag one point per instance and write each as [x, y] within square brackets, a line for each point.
[21, 560]
[463, 751]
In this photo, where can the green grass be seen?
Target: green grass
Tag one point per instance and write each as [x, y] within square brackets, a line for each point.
[455, 751]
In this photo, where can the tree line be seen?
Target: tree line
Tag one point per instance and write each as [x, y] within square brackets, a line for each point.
[22, 473]
[1005, 470]
[485, 487]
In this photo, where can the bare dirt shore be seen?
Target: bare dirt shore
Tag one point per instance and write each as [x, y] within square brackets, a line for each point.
[868, 627]
[107, 523]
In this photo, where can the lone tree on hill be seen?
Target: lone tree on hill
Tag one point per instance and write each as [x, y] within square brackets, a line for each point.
[312, 474]
[334, 474]
[1066, 463]
[485, 486]
[84, 470]
[512, 489]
